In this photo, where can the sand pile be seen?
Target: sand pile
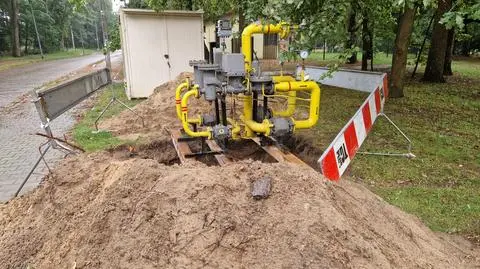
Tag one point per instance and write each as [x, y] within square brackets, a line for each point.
[118, 209]
[109, 210]
[158, 113]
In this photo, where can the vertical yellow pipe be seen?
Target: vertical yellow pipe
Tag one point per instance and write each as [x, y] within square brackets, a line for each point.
[255, 28]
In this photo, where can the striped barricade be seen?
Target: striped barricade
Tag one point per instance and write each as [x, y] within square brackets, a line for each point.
[336, 158]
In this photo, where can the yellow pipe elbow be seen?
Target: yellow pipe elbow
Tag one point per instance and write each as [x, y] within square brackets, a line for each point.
[263, 128]
[178, 97]
[258, 28]
[311, 86]
[185, 121]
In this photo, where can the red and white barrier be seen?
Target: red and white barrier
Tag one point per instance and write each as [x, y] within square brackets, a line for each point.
[336, 158]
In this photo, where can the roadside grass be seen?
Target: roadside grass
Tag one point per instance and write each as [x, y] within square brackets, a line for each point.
[84, 132]
[442, 184]
[8, 62]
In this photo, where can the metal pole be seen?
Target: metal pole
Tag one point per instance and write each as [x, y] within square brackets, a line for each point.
[73, 38]
[36, 29]
[96, 34]
[108, 63]
[422, 47]
[42, 154]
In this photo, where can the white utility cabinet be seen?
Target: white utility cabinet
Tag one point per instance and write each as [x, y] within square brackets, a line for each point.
[157, 47]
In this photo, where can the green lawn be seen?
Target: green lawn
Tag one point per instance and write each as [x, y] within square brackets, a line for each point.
[331, 57]
[441, 185]
[84, 132]
[8, 62]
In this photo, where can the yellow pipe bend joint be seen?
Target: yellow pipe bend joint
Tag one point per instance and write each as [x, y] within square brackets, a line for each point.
[178, 97]
[263, 128]
[257, 28]
[178, 100]
[311, 86]
[185, 121]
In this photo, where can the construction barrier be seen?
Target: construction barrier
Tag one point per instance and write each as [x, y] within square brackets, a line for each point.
[336, 158]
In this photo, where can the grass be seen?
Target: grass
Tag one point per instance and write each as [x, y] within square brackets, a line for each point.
[84, 131]
[380, 58]
[9, 62]
[441, 185]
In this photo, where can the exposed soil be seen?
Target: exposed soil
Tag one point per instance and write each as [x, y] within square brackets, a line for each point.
[137, 208]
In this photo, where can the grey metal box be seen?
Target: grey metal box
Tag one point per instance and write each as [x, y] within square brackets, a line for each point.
[233, 64]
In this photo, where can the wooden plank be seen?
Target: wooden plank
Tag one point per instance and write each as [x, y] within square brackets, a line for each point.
[221, 158]
[278, 154]
[182, 148]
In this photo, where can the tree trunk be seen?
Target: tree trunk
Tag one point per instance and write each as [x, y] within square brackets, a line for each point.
[241, 19]
[438, 48]
[26, 39]
[15, 29]
[399, 61]
[367, 42]
[352, 35]
[447, 70]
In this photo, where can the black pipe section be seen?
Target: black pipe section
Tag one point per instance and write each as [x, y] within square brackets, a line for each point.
[217, 112]
[255, 106]
[265, 107]
[224, 111]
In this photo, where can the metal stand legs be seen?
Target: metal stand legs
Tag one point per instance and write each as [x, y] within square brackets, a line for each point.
[113, 100]
[42, 155]
[409, 153]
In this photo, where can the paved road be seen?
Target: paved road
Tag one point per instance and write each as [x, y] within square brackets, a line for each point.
[19, 121]
[17, 81]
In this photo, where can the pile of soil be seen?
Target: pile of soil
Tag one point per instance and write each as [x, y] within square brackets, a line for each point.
[139, 208]
[158, 113]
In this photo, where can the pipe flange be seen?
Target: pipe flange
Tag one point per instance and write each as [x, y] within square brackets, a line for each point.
[208, 67]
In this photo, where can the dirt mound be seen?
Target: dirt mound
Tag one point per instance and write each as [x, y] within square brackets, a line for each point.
[115, 210]
[137, 208]
[158, 112]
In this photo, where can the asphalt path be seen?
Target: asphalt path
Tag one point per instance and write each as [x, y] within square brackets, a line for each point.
[17, 81]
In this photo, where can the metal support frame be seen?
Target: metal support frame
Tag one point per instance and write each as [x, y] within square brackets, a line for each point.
[408, 155]
[113, 100]
[50, 143]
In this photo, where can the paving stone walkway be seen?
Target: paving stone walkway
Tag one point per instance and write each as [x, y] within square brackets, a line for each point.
[19, 122]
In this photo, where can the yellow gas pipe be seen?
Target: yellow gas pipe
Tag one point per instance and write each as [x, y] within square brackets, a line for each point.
[281, 28]
[292, 98]
[184, 117]
[235, 129]
[178, 100]
[311, 86]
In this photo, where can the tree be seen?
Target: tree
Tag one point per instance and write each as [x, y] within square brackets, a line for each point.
[436, 56]
[399, 61]
[352, 32]
[15, 24]
[447, 70]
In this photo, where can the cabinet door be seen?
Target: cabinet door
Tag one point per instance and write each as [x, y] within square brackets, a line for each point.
[185, 42]
[146, 45]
